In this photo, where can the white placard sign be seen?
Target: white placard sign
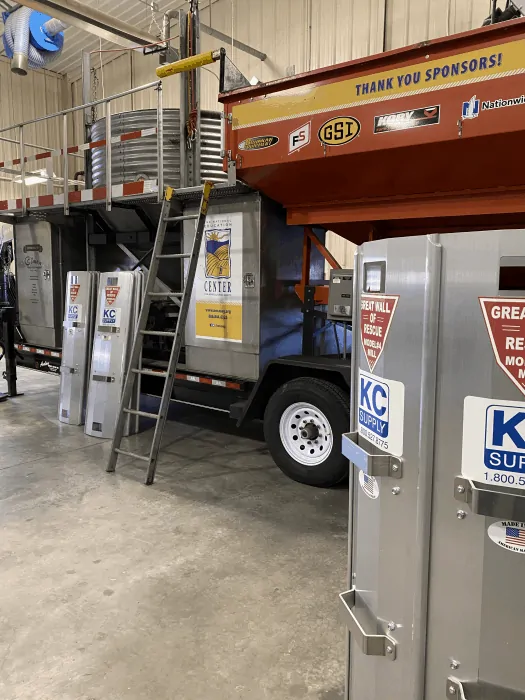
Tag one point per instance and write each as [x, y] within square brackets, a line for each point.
[381, 412]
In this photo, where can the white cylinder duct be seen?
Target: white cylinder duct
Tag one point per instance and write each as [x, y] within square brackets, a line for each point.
[16, 36]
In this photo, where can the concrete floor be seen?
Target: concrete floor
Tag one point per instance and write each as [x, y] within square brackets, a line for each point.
[218, 582]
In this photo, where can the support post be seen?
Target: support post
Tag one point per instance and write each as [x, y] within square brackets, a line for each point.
[160, 145]
[109, 177]
[22, 170]
[65, 168]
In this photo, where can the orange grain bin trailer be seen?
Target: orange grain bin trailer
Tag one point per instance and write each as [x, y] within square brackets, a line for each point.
[413, 140]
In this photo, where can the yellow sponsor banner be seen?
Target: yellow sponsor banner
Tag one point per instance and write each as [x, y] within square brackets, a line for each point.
[427, 76]
[218, 320]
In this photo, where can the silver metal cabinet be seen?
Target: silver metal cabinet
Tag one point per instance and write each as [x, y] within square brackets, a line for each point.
[244, 310]
[118, 305]
[44, 253]
[79, 315]
[437, 531]
[38, 282]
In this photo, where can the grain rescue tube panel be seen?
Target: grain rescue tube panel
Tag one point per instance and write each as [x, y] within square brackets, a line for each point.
[426, 132]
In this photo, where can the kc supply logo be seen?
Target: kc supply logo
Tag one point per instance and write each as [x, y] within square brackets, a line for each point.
[299, 138]
[74, 312]
[110, 317]
[505, 440]
[412, 118]
[381, 412]
[373, 406]
[494, 441]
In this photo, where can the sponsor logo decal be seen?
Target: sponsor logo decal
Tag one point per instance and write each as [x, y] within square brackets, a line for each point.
[411, 118]
[339, 131]
[257, 143]
[111, 295]
[73, 292]
[473, 107]
[299, 137]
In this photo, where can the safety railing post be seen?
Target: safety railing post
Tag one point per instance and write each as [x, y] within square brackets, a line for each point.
[22, 169]
[65, 166]
[160, 144]
[107, 109]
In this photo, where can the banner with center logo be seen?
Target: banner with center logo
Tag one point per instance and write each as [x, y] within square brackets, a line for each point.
[218, 283]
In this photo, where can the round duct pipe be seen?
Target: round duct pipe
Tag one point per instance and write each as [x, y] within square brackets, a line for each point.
[31, 39]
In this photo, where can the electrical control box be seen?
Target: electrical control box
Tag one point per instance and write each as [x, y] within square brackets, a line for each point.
[340, 295]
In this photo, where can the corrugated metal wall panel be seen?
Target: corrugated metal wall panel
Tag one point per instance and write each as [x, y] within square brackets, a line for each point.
[410, 21]
[37, 94]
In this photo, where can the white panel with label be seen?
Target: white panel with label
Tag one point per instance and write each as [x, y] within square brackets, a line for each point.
[381, 411]
[494, 441]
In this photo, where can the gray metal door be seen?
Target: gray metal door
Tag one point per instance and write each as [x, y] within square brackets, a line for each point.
[437, 564]
[80, 306]
[36, 283]
[114, 325]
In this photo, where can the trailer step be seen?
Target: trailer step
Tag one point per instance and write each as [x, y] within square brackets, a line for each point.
[167, 256]
[150, 372]
[188, 217]
[144, 458]
[164, 334]
[144, 414]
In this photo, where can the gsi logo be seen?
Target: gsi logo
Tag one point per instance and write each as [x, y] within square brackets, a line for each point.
[109, 316]
[374, 405]
[299, 138]
[505, 438]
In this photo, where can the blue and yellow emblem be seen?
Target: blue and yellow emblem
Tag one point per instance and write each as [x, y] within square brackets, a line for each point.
[218, 263]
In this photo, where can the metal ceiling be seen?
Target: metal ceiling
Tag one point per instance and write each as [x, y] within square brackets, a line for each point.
[143, 14]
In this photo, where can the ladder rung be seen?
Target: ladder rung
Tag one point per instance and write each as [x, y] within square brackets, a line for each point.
[150, 372]
[186, 217]
[167, 334]
[165, 294]
[144, 414]
[174, 255]
[131, 454]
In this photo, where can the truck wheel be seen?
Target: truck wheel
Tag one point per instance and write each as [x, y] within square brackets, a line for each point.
[303, 424]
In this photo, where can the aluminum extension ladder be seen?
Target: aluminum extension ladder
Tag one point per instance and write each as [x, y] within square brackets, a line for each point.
[134, 368]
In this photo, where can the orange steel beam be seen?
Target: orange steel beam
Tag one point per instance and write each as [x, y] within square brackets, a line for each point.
[321, 291]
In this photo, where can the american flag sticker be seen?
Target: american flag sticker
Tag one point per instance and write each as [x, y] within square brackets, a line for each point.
[369, 484]
[509, 535]
[515, 535]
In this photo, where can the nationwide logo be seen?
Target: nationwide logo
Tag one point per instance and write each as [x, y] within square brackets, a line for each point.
[473, 107]
[410, 119]
[257, 143]
[111, 295]
[470, 109]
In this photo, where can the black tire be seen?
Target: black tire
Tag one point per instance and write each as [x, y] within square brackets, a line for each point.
[334, 403]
